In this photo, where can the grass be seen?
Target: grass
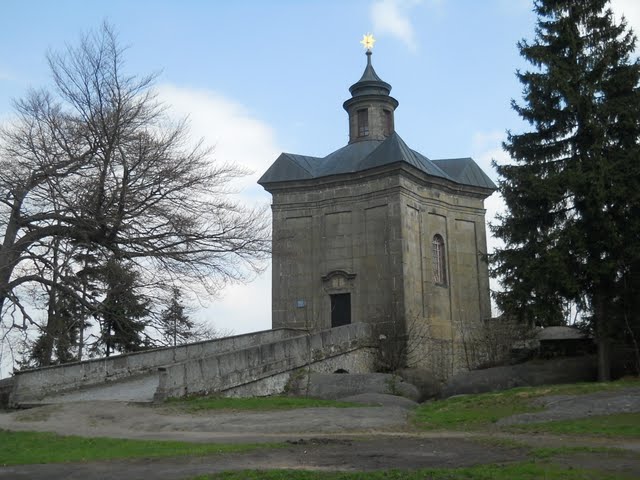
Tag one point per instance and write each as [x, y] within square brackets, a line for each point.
[618, 425]
[550, 452]
[474, 412]
[540, 453]
[521, 471]
[19, 448]
[470, 412]
[194, 404]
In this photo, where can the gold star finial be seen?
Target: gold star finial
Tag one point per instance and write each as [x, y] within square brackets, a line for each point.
[368, 41]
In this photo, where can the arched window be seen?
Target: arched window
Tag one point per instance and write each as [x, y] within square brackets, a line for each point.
[439, 260]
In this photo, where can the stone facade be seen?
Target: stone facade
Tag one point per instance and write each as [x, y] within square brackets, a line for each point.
[362, 239]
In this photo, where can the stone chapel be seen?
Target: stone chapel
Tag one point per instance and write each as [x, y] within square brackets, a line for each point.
[377, 232]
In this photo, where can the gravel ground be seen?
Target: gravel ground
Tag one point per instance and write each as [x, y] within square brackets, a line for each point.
[568, 407]
[348, 439]
[126, 420]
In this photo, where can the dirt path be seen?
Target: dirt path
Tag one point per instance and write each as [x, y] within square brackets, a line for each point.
[335, 454]
[366, 438]
[124, 420]
[568, 407]
[312, 454]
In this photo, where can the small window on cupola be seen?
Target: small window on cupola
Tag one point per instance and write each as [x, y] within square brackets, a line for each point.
[363, 122]
[388, 123]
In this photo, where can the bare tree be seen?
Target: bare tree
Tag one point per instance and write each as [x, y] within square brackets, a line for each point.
[96, 165]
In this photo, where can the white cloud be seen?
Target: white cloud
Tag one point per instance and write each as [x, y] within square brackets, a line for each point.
[393, 17]
[242, 308]
[631, 10]
[486, 147]
[242, 139]
[237, 136]
[494, 205]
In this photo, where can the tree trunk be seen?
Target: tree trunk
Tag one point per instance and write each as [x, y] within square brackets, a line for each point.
[8, 255]
[604, 360]
[602, 338]
[82, 324]
[50, 332]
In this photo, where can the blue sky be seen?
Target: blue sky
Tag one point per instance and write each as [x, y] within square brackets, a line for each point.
[261, 77]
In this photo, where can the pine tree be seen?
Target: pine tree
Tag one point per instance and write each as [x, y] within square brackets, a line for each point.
[59, 334]
[123, 309]
[572, 226]
[175, 325]
[58, 339]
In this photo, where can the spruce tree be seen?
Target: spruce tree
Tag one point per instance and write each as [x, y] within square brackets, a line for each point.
[176, 327]
[123, 309]
[571, 227]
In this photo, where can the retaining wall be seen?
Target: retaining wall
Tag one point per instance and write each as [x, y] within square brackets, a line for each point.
[6, 387]
[42, 382]
[259, 370]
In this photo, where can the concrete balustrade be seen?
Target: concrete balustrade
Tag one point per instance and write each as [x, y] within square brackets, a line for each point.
[244, 365]
[264, 369]
[34, 385]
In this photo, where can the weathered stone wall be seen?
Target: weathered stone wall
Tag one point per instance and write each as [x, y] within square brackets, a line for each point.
[264, 369]
[443, 319]
[354, 361]
[378, 229]
[246, 366]
[42, 382]
[340, 227]
[6, 387]
[377, 120]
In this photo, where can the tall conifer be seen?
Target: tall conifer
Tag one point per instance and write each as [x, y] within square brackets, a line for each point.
[176, 327]
[571, 229]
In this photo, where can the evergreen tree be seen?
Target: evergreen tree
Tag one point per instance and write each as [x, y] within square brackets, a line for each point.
[123, 309]
[95, 167]
[571, 229]
[59, 334]
[58, 339]
[175, 325]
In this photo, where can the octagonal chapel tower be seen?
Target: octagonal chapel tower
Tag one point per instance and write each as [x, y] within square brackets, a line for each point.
[377, 232]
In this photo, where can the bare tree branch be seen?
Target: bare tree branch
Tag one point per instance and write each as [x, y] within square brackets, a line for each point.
[97, 166]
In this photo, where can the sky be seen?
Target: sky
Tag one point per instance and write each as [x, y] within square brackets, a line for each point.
[257, 78]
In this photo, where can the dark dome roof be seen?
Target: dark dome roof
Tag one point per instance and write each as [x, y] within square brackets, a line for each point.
[370, 83]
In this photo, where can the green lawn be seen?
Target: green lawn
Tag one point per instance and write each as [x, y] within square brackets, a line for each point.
[470, 412]
[33, 447]
[474, 412]
[520, 471]
[258, 403]
[550, 452]
[618, 425]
